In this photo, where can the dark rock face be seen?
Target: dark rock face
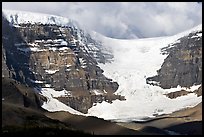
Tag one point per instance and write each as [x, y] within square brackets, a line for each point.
[19, 94]
[58, 57]
[183, 65]
[14, 63]
[5, 71]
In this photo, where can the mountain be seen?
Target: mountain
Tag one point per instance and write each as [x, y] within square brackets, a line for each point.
[68, 68]
[52, 54]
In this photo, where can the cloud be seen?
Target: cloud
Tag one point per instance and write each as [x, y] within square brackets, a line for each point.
[123, 19]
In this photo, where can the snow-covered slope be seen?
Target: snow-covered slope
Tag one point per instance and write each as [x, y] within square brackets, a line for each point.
[134, 61]
[18, 17]
[53, 104]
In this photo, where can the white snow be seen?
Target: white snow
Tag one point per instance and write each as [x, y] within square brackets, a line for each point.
[33, 44]
[51, 71]
[68, 69]
[82, 62]
[52, 48]
[63, 48]
[177, 41]
[96, 92]
[58, 40]
[49, 41]
[104, 91]
[134, 61]
[34, 49]
[54, 93]
[195, 36]
[64, 43]
[39, 41]
[18, 17]
[198, 35]
[47, 85]
[68, 65]
[36, 81]
[178, 88]
[92, 47]
[53, 104]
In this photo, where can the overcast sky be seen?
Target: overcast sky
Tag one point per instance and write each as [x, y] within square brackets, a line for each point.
[122, 19]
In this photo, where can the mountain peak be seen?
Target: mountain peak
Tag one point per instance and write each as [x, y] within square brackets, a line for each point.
[18, 17]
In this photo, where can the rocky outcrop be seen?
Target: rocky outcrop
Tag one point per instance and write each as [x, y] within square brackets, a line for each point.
[88, 101]
[183, 65]
[5, 70]
[198, 91]
[58, 57]
[176, 94]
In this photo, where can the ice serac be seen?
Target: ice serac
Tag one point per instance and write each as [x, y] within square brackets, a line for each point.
[52, 52]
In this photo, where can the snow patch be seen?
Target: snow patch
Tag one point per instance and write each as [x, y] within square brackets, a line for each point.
[51, 71]
[64, 43]
[53, 104]
[179, 88]
[36, 81]
[47, 85]
[96, 92]
[54, 93]
[63, 48]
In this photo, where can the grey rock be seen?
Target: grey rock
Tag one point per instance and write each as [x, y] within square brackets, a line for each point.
[183, 65]
[32, 55]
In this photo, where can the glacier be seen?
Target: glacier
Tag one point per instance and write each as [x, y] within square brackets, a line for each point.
[134, 61]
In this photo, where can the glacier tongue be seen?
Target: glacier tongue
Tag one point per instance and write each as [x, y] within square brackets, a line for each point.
[134, 60]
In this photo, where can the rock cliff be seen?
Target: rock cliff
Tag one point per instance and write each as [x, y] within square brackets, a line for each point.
[183, 65]
[57, 57]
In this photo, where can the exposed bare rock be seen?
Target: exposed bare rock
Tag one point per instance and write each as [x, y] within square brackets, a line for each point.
[176, 94]
[58, 57]
[199, 91]
[183, 65]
